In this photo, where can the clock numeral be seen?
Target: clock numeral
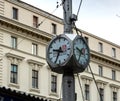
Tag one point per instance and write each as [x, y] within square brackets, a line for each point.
[67, 54]
[51, 47]
[50, 52]
[68, 49]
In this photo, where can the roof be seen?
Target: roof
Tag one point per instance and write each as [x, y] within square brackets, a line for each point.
[8, 93]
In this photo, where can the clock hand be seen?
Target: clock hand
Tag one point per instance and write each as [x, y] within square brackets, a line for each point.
[59, 51]
[78, 49]
[57, 57]
[79, 52]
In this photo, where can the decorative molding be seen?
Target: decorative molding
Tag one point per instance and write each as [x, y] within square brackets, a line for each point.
[1, 7]
[10, 55]
[15, 59]
[30, 61]
[53, 94]
[36, 10]
[14, 85]
[104, 59]
[86, 77]
[101, 82]
[35, 90]
[114, 86]
[22, 29]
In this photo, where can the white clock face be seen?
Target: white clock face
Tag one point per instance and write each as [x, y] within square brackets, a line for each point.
[81, 51]
[59, 50]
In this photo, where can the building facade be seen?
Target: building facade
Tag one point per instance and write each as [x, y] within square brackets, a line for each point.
[24, 34]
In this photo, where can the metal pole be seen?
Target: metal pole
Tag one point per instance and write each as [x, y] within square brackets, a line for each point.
[68, 87]
[67, 9]
[68, 76]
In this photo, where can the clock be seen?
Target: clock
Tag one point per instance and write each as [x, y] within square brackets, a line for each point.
[81, 53]
[58, 52]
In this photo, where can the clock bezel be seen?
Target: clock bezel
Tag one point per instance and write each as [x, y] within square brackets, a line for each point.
[54, 65]
[82, 67]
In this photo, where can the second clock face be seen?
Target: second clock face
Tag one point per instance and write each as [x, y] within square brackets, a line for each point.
[59, 50]
[81, 51]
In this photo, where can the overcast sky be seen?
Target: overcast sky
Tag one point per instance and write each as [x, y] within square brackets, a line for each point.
[99, 17]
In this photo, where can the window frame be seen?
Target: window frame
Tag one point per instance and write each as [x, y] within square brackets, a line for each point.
[113, 75]
[114, 96]
[34, 49]
[35, 79]
[100, 70]
[35, 21]
[14, 74]
[14, 42]
[87, 92]
[53, 83]
[114, 52]
[54, 28]
[86, 39]
[15, 13]
[100, 47]
[101, 90]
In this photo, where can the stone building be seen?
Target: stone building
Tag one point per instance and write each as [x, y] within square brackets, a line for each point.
[23, 64]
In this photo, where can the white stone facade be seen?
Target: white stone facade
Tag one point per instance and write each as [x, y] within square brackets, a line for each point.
[21, 56]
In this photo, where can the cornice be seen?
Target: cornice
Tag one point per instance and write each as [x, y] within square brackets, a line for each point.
[46, 37]
[101, 81]
[14, 56]
[36, 10]
[98, 38]
[35, 62]
[104, 59]
[86, 77]
[115, 86]
[19, 27]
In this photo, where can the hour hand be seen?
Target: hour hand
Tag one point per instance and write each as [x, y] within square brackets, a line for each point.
[58, 50]
[58, 53]
[78, 49]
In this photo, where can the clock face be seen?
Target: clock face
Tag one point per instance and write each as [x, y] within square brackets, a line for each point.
[59, 50]
[81, 51]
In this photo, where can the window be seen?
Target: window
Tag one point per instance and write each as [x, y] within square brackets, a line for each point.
[54, 28]
[14, 74]
[15, 13]
[14, 42]
[86, 39]
[114, 96]
[101, 94]
[87, 92]
[100, 71]
[100, 47]
[34, 78]
[113, 75]
[35, 21]
[113, 52]
[34, 49]
[54, 83]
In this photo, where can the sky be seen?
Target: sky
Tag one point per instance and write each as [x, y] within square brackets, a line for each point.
[98, 17]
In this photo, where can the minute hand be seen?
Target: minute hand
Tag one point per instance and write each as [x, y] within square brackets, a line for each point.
[58, 53]
[80, 53]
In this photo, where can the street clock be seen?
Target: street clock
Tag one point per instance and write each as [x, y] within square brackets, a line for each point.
[81, 53]
[68, 52]
[59, 52]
